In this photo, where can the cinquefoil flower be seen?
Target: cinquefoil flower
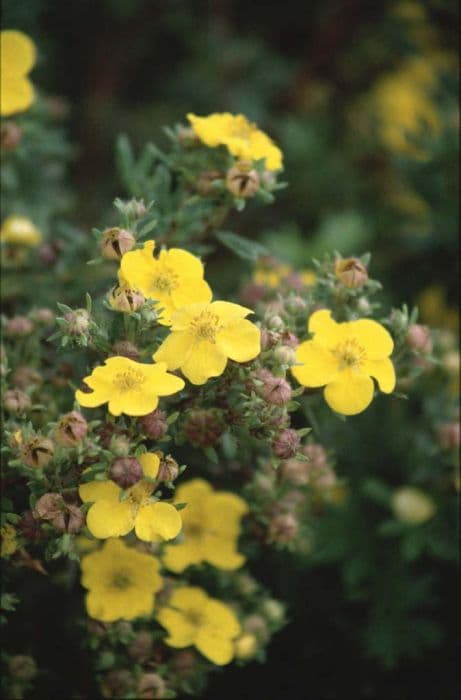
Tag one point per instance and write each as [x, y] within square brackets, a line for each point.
[343, 357]
[121, 582]
[241, 137]
[18, 230]
[211, 527]
[174, 279]
[17, 58]
[204, 336]
[128, 387]
[192, 618]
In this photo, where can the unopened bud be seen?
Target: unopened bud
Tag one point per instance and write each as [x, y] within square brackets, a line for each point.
[71, 429]
[77, 322]
[283, 527]
[184, 662]
[120, 445]
[151, 685]
[168, 469]
[16, 401]
[275, 323]
[125, 299]
[124, 348]
[242, 180]
[285, 355]
[30, 527]
[118, 683]
[45, 316]
[141, 647]
[206, 182]
[252, 292]
[351, 272]
[273, 610]
[246, 584]
[316, 455]
[449, 436]
[135, 208]
[290, 502]
[37, 452]
[18, 326]
[294, 471]
[286, 444]
[269, 339]
[125, 471]
[274, 390]
[246, 646]
[22, 667]
[116, 242]
[154, 425]
[419, 338]
[412, 506]
[257, 625]
[65, 517]
[10, 135]
[295, 304]
[203, 427]
[26, 377]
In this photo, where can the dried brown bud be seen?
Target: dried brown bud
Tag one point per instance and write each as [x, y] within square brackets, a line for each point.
[37, 451]
[30, 527]
[125, 299]
[118, 683]
[77, 322]
[242, 180]
[155, 424]
[116, 242]
[71, 429]
[125, 471]
[18, 326]
[124, 348]
[274, 390]
[10, 135]
[283, 527]
[419, 338]
[184, 662]
[286, 444]
[351, 272]
[205, 183]
[151, 685]
[16, 401]
[49, 506]
[203, 427]
[141, 647]
[168, 469]
[449, 436]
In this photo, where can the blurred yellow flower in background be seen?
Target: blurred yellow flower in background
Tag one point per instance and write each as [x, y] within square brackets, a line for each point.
[17, 58]
[8, 543]
[192, 618]
[241, 137]
[18, 230]
[435, 311]
[121, 582]
[211, 527]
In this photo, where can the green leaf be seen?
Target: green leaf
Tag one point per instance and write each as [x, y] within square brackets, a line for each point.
[242, 247]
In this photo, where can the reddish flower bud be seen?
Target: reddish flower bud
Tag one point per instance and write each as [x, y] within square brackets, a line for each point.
[274, 390]
[351, 272]
[252, 292]
[125, 471]
[283, 527]
[203, 427]
[16, 401]
[18, 326]
[45, 316]
[419, 338]
[286, 444]
[154, 425]
[116, 242]
[26, 377]
[151, 685]
[71, 429]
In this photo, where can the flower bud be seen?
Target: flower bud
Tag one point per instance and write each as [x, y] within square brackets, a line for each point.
[135, 208]
[168, 469]
[294, 471]
[125, 471]
[125, 299]
[120, 445]
[118, 683]
[141, 647]
[419, 338]
[269, 339]
[274, 390]
[124, 348]
[22, 667]
[71, 429]
[184, 662]
[203, 427]
[18, 326]
[290, 339]
[246, 584]
[16, 401]
[205, 183]
[45, 316]
[246, 646]
[116, 242]
[49, 506]
[285, 355]
[151, 685]
[273, 610]
[37, 452]
[449, 436]
[77, 322]
[412, 506]
[26, 377]
[290, 502]
[242, 180]
[154, 425]
[351, 272]
[18, 230]
[283, 527]
[275, 323]
[255, 624]
[295, 304]
[186, 135]
[316, 455]
[286, 444]
[10, 136]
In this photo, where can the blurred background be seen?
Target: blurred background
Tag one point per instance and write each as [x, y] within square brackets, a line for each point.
[362, 98]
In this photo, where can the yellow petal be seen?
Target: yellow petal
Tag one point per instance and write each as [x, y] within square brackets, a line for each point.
[384, 373]
[191, 291]
[132, 403]
[228, 311]
[221, 553]
[164, 384]
[16, 95]
[124, 605]
[373, 337]
[324, 327]
[221, 616]
[150, 463]
[138, 267]
[175, 349]
[110, 519]
[181, 319]
[189, 598]
[157, 520]
[240, 340]
[17, 53]
[193, 490]
[177, 557]
[218, 649]
[349, 393]
[99, 490]
[318, 365]
[205, 360]
[181, 632]
[182, 261]
[91, 400]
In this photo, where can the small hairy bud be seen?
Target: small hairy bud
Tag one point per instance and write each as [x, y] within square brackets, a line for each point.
[26, 377]
[351, 272]
[273, 610]
[257, 625]
[45, 316]
[71, 429]
[419, 338]
[141, 647]
[269, 339]
[18, 326]
[118, 683]
[77, 322]
[242, 180]
[168, 469]
[283, 527]
[286, 444]
[125, 299]
[151, 685]
[37, 452]
[203, 426]
[22, 667]
[116, 242]
[120, 445]
[124, 348]
[49, 506]
[274, 390]
[246, 646]
[205, 183]
[295, 304]
[294, 471]
[412, 506]
[10, 135]
[135, 208]
[275, 323]
[285, 355]
[125, 471]
[155, 424]
[449, 435]
[16, 401]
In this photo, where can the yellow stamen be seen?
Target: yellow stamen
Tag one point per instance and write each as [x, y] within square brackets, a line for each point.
[129, 379]
[349, 354]
[205, 326]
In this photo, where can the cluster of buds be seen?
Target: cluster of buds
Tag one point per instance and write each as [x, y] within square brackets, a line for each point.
[203, 426]
[315, 470]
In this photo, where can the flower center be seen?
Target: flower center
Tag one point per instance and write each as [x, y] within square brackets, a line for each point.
[165, 282]
[139, 494]
[193, 529]
[205, 326]
[349, 354]
[120, 580]
[195, 617]
[129, 379]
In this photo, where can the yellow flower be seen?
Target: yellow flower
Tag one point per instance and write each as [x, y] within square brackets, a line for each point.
[174, 279]
[204, 336]
[17, 58]
[111, 517]
[129, 387]
[271, 276]
[412, 506]
[242, 138]
[191, 617]
[8, 544]
[344, 357]
[308, 277]
[211, 527]
[121, 582]
[18, 230]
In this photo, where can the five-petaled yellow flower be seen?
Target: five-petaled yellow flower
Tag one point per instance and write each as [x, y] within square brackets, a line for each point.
[211, 527]
[17, 58]
[343, 357]
[109, 516]
[129, 387]
[121, 582]
[18, 230]
[204, 336]
[241, 137]
[192, 618]
[174, 279]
